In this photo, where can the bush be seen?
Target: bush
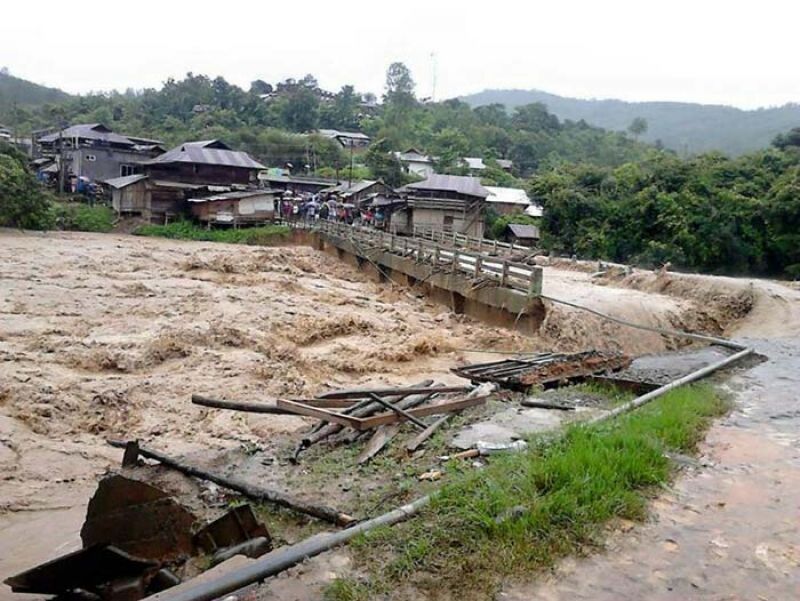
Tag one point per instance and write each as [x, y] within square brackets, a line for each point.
[23, 202]
[84, 218]
[186, 230]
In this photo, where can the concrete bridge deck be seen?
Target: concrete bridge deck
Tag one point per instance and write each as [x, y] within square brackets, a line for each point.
[483, 285]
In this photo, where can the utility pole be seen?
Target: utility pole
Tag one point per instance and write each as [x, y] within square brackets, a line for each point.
[350, 185]
[61, 166]
[433, 86]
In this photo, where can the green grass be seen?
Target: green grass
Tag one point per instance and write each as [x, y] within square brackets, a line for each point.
[185, 230]
[524, 511]
[83, 217]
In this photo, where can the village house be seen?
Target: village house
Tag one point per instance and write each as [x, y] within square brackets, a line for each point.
[507, 201]
[416, 163]
[357, 192]
[524, 235]
[347, 139]
[245, 207]
[93, 152]
[191, 170]
[5, 133]
[450, 203]
[296, 185]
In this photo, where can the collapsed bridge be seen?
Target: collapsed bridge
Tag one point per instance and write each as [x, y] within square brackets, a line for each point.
[492, 285]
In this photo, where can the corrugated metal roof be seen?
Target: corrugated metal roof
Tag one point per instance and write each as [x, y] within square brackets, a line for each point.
[90, 131]
[124, 182]
[346, 188]
[534, 210]
[206, 152]
[335, 133]
[504, 163]
[234, 195]
[524, 231]
[461, 184]
[516, 196]
[474, 163]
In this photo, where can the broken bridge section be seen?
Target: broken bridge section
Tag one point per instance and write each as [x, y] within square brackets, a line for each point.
[492, 288]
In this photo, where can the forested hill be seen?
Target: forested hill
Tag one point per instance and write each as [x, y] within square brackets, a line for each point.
[682, 126]
[22, 93]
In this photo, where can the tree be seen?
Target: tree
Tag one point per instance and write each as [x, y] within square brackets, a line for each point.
[23, 202]
[638, 127]
[259, 86]
[383, 164]
[399, 86]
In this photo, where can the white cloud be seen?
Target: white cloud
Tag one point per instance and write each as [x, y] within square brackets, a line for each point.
[739, 53]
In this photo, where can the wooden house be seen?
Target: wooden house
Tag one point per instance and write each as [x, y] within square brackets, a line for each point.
[93, 152]
[507, 201]
[357, 192]
[450, 203]
[525, 235]
[191, 170]
[205, 162]
[245, 207]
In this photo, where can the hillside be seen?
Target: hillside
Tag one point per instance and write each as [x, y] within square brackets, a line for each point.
[23, 93]
[682, 126]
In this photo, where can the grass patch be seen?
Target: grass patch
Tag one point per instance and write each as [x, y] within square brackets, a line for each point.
[81, 217]
[186, 230]
[524, 511]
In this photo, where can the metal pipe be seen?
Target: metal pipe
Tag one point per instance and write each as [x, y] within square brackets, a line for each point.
[284, 557]
[654, 394]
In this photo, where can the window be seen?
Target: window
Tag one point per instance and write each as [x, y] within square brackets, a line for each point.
[91, 158]
[125, 170]
[448, 223]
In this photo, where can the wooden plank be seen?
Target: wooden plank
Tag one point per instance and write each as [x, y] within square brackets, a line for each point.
[449, 407]
[366, 392]
[320, 413]
[380, 438]
[420, 438]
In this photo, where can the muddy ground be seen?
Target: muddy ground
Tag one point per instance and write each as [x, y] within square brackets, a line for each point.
[107, 336]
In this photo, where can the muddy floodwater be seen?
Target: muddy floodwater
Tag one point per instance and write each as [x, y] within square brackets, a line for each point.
[108, 336]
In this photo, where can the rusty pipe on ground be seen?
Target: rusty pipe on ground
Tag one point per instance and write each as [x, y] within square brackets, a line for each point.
[283, 558]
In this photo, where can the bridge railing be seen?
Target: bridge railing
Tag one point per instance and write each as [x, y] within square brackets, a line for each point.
[468, 242]
[478, 266]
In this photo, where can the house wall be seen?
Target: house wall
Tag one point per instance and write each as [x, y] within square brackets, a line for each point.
[130, 199]
[255, 209]
[424, 170]
[507, 208]
[195, 173]
[447, 220]
[107, 163]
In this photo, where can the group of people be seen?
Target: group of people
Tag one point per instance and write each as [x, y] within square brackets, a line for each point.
[312, 209]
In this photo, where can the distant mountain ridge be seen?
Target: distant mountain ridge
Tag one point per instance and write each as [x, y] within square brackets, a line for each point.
[23, 93]
[682, 126]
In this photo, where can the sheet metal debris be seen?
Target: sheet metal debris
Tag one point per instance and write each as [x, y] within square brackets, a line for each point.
[236, 526]
[96, 570]
[544, 369]
[139, 519]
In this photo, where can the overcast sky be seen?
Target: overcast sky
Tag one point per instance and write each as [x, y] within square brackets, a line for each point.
[742, 53]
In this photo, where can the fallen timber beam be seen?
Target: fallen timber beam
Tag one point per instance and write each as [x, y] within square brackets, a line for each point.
[546, 405]
[361, 409]
[258, 493]
[423, 436]
[367, 423]
[399, 411]
[250, 407]
[367, 392]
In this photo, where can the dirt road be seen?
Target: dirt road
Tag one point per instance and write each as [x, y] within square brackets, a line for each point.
[109, 335]
[730, 528]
